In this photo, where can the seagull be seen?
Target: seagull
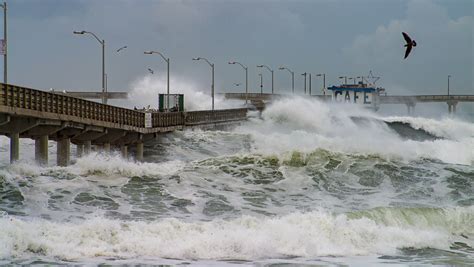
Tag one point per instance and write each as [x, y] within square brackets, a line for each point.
[410, 43]
[150, 70]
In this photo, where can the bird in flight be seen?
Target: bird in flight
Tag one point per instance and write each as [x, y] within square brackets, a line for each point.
[151, 71]
[409, 45]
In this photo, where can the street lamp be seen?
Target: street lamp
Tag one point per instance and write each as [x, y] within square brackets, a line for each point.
[268, 68]
[304, 74]
[351, 78]
[4, 6]
[246, 79]
[102, 42]
[121, 48]
[449, 76]
[345, 79]
[324, 81]
[261, 83]
[212, 70]
[361, 79]
[292, 77]
[168, 68]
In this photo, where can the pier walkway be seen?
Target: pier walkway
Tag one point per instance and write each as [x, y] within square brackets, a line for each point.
[43, 116]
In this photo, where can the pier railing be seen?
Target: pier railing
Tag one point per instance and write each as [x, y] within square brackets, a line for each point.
[43, 103]
[222, 115]
[36, 100]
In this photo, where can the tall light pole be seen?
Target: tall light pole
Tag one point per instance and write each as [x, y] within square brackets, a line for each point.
[292, 78]
[246, 78]
[449, 76]
[304, 74]
[261, 83]
[212, 84]
[102, 42]
[310, 84]
[4, 6]
[345, 79]
[324, 81]
[268, 68]
[168, 70]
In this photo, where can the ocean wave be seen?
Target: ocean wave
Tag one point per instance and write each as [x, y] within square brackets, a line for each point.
[381, 231]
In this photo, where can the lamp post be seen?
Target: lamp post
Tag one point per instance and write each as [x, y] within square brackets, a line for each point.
[351, 78]
[121, 48]
[261, 83]
[246, 78]
[324, 81]
[168, 70]
[345, 79]
[271, 70]
[102, 42]
[304, 74]
[4, 6]
[449, 76]
[361, 78]
[212, 73]
[292, 78]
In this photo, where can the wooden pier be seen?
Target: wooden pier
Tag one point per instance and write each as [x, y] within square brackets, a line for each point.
[43, 116]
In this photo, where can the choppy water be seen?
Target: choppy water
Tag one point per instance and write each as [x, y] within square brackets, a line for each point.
[313, 185]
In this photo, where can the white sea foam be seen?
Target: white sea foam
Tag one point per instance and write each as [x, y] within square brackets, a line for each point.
[317, 233]
[305, 125]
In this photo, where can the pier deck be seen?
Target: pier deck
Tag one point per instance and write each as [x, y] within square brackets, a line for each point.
[43, 116]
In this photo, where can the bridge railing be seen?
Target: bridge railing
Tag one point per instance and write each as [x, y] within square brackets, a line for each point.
[37, 100]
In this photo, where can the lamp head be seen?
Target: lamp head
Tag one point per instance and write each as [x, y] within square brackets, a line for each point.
[281, 68]
[341, 77]
[319, 74]
[148, 52]
[259, 66]
[231, 62]
[79, 32]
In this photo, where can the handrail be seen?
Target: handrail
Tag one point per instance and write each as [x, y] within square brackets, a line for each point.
[37, 100]
[50, 102]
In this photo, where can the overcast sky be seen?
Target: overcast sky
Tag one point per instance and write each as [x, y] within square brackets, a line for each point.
[336, 37]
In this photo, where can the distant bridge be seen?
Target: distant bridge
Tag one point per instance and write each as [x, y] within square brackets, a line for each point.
[410, 101]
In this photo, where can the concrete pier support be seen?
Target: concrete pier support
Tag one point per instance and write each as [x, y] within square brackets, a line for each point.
[124, 151]
[452, 107]
[87, 147]
[410, 108]
[41, 150]
[14, 147]
[106, 147]
[139, 152]
[64, 151]
[79, 150]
